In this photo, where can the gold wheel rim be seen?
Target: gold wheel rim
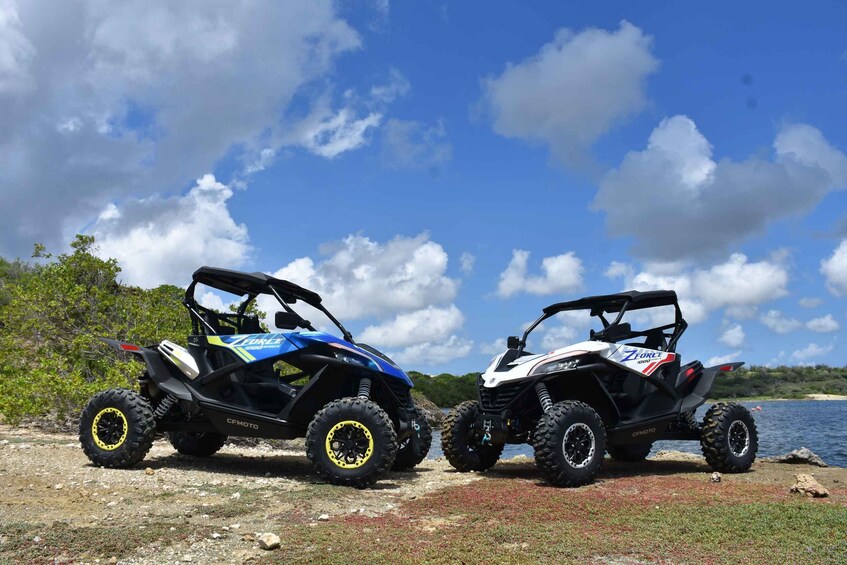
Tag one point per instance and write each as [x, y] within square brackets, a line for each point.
[94, 433]
[339, 449]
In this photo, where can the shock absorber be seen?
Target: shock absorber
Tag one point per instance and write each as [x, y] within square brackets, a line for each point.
[364, 388]
[544, 397]
[163, 407]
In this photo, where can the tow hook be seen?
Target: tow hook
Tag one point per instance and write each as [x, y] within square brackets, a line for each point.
[486, 426]
[416, 427]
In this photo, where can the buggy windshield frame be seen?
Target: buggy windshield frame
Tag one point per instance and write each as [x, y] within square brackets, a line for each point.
[252, 285]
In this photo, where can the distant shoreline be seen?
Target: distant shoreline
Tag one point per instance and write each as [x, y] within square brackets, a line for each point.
[813, 396]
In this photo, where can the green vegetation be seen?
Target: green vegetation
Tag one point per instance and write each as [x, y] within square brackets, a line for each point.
[781, 382]
[51, 360]
[446, 390]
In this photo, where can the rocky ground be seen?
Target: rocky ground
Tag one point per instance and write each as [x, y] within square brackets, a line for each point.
[56, 507]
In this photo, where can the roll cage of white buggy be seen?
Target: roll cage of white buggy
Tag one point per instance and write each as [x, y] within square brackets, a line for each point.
[655, 338]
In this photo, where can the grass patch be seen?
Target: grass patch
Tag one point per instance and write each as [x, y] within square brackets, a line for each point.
[663, 519]
[61, 542]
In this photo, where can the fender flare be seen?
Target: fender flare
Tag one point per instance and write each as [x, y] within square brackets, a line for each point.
[159, 372]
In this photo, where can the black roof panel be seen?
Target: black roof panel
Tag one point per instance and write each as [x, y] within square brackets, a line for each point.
[237, 282]
[614, 302]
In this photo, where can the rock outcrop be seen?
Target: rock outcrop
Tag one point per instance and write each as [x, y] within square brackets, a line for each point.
[808, 485]
[801, 456]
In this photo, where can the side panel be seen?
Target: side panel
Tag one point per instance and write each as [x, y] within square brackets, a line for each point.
[639, 359]
[253, 347]
[237, 423]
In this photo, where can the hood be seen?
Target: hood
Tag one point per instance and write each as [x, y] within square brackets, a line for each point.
[522, 366]
[380, 362]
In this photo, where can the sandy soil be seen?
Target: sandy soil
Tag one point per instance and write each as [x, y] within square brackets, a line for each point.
[54, 505]
[826, 396]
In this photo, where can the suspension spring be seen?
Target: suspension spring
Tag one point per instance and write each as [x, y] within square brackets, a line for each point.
[364, 388]
[163, 407]
[544, 397]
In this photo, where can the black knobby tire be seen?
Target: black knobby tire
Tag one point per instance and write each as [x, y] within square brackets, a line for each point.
[459, 443]
[569, 442]
[631, 453]
[729, 438]
[197, 444]
[365, 440]
[116, 428]
[407, 456]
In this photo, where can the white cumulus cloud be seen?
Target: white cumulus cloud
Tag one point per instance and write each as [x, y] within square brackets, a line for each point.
[810, 302]
[777, 322]
[812, 351]
[721, 359]
[400, 287]
[495, 347]
[573, 90]
[733, 336]
[101, 100]
[359, 277]
[824, 324]
[561, 274]
[834, 269]
[337, 133]
[16, 51]
[434, 353]
[737, 285]
[413, 145]
[163, 240]
[429, 324]
[703, 204]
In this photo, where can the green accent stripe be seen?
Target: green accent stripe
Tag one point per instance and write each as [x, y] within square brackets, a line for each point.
[243, 355]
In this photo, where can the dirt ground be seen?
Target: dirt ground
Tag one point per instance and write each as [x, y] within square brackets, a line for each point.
[56, 507]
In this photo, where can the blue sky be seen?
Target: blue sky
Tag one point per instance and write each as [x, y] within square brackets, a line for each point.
[441, 171]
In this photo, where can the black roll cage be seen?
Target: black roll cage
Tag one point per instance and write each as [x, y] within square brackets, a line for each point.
[618, 303]
[251, 285]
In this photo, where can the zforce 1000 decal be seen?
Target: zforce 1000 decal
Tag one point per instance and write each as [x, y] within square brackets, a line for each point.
[641, 360]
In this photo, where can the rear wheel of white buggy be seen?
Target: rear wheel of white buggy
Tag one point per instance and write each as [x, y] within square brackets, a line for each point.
[729, 438]
[570, 442]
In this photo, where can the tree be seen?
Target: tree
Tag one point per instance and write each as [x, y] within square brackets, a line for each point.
[51, 360]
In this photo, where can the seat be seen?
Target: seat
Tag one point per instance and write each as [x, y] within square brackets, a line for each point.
[653, 339]
[250, 325]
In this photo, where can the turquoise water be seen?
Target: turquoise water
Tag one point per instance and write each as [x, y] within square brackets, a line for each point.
[820, 425]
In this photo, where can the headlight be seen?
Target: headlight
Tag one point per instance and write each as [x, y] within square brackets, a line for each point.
[350, 359]
[344, 355]
[554, 366]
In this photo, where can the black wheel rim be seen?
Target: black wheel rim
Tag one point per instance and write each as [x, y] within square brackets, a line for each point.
[349, 444]
[739, 438]
[578, 445]
[109, 428]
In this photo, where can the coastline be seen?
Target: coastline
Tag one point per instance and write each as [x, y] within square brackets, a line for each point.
[812, 396]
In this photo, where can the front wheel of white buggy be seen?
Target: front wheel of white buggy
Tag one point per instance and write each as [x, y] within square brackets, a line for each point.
[570, 442]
